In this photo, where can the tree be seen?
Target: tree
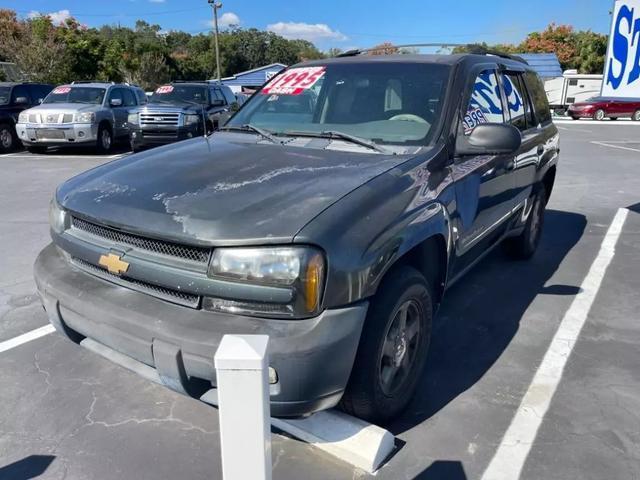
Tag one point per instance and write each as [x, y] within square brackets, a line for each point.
[558, 39]
[385, 48]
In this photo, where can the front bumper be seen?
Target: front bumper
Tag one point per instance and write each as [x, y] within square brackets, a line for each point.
[313, 357]
[580, 113]
[149, 136]
[56, 135]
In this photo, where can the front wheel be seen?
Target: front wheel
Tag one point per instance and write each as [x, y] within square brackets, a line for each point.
[636, 116]
[393, 348]
[599, 115]
[525, 245]
[105, 139]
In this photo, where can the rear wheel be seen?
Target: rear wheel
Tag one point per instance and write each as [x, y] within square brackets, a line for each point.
[105, 139]
[636, 116]
[525, 245]
[599, 115]
[8, 137]
[393, 348]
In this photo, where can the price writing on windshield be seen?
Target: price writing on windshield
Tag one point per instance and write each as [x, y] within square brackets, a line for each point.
[294, 81]
[164, 89]
[61, 90]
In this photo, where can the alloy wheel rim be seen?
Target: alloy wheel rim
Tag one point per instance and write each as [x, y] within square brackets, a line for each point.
[400, 347]
[599, 115]
[5, 138]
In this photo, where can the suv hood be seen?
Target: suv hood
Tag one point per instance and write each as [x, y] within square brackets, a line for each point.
[220, 190]
[65, 107]
[173, 107]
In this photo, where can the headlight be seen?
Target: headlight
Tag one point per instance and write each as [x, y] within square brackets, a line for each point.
[57, 217]
[133, 118]
[84, 117]
[191, 119]
[23, 117]
[297, 269]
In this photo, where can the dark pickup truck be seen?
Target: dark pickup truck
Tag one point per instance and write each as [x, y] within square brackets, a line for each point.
[179, 111]
[14, 98]
[331, 212]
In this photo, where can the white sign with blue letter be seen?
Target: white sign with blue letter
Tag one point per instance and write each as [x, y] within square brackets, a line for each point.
[622, 67]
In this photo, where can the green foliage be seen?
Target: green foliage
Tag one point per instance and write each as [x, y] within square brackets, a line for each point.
[582, 50]
[144, 54]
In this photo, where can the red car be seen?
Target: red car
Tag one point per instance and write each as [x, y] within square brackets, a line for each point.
[599, 108]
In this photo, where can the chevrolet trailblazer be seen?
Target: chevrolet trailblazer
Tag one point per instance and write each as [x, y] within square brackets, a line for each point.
[331, 213]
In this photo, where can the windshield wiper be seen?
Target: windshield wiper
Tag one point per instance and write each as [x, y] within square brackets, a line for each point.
[252, 128]
[337, 135]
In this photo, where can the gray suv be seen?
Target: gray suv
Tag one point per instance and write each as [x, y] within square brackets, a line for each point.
[82, 113]
[331, 212]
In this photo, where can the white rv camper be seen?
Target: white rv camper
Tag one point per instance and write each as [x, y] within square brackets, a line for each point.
[572, 87]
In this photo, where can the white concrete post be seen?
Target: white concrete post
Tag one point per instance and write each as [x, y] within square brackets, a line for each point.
[242, 365]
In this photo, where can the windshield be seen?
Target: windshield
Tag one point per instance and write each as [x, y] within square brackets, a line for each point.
[384, 102]
[5, 95]
[76, 95]
[180, 94]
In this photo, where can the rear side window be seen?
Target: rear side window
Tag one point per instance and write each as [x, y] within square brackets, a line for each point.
[142, 97]
[485, 104]
[538, 97]
[520, 113]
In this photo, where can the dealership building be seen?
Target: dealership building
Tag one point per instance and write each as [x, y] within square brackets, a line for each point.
[252, 79]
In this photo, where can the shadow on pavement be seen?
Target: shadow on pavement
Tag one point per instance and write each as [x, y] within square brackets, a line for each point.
[29, 467]
[481, 314]
[443, 470]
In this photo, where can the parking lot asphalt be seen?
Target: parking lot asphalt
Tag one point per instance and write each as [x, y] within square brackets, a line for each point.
[66, 413]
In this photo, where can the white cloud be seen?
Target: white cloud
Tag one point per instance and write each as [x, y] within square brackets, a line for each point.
[56, 17]
[312, 32]
[226, 20]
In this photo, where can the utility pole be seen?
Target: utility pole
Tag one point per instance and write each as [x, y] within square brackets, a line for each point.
[216, 5]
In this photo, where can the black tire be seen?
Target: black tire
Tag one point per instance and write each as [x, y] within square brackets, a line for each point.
[368, 395]
[636, 116]
[37, 150]
[104, 143]
[599, 115]
[8, 138]
[613, 119]
[525, 245]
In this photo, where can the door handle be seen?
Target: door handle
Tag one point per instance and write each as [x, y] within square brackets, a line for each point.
[540, 150]
[511, 165]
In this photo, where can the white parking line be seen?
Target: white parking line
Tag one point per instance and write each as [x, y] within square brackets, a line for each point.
[608, 144]
[26, 337]
[514, 449]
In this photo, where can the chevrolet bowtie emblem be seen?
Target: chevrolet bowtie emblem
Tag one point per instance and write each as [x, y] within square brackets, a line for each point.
[114, 264]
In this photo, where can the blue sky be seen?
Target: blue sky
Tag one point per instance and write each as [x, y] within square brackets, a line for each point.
[344, 23]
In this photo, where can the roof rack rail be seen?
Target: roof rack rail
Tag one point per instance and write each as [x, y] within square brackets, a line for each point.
[473, 49]
[80, 82]
[195, 81]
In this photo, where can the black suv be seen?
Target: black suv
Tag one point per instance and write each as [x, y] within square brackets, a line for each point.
[179, 111]
[14, 98]
[331, 213]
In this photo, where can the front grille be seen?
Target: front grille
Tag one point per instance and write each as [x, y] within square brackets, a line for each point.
[194, 254]
[67, 118]
[34, 118]
[159, 118]
[173, 296]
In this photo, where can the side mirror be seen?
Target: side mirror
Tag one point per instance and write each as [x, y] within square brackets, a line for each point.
[489, 139]
[115, 102]
[21, 101]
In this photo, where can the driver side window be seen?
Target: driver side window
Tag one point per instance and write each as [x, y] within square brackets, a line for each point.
[485, 104]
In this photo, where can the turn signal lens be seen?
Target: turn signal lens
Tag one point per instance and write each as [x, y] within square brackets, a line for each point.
[313, 283]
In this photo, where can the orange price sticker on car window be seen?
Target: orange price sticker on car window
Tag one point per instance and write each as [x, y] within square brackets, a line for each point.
[164, 89]
[61, 90]
[294, 81]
